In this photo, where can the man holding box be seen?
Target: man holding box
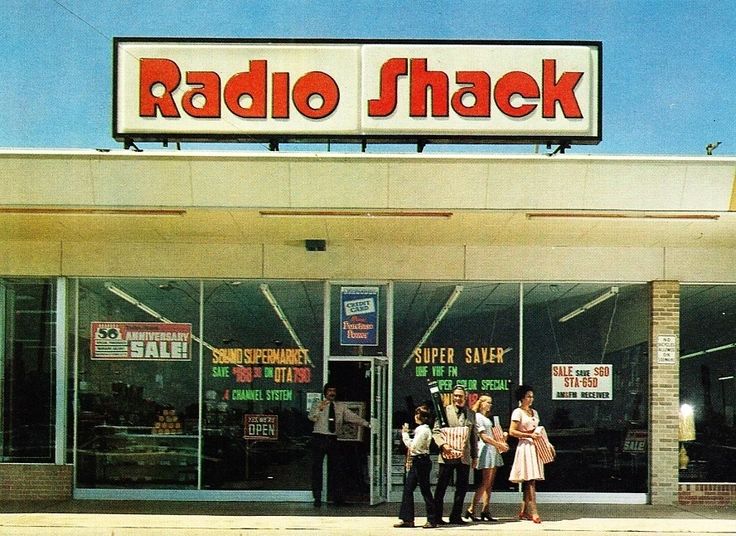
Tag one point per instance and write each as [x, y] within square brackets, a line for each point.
[458, 444]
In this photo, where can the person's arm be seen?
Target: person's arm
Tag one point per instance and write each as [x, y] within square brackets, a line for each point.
[515, 432]
[439, 439]
[408, 443]
[488, 439]
[351, 417]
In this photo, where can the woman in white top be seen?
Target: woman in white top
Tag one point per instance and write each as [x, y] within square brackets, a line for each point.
[489, 458]
[527, 468]
[420, 467]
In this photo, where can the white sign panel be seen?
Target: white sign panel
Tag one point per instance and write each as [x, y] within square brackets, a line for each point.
[582, 382]
[167, 89]
[666, 349]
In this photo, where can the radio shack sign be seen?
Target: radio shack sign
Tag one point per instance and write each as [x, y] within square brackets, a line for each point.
[380, 91]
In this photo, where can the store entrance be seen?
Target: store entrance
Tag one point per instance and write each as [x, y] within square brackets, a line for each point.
[357, 352]
[352, 379]
[363, 385]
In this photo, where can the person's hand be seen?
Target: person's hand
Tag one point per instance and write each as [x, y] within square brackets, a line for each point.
[504, 447]
[405, 427]
[324, 404]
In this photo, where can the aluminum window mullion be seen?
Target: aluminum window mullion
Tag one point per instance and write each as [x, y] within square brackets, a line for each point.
[61, 373]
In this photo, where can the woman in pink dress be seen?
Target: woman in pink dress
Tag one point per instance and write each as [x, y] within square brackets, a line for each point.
[527, 467]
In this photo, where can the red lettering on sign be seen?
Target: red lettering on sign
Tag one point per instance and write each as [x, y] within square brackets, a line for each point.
[317, 84]
[562, 91]
[209, 90]
[516, 83]
[422, 80]
[280, 97]
[385, 104]
[249, 83]
[479, 89]
[155, 71]
[472, 99]
[315, 94]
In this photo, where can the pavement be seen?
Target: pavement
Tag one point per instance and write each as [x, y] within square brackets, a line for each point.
[169, 518]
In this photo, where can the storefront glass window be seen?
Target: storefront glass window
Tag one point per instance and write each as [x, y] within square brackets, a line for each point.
[707, 381]
[27, 353]
[262, 368]
[454, 333]
[585, 355]
[138, 383]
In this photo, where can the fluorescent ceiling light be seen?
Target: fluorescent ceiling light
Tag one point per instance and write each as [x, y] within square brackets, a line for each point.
[266, 291]
[145, 308]
[641, 215]
[592, 303]
[724, 378]
[709, 350]
[353, 214]
[450, 301]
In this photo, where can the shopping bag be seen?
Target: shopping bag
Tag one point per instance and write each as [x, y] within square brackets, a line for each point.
[545, 451]
[455, 437]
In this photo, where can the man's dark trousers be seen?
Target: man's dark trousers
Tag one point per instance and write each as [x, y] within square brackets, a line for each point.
[326, 445]
[462, 475]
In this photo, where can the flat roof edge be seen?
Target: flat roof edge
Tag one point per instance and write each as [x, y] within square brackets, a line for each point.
[324, 155]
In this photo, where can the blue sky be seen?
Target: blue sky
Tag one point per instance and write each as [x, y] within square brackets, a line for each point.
[669, 67]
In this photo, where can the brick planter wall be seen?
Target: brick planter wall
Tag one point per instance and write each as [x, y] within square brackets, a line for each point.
[31, 482]
[707, 494]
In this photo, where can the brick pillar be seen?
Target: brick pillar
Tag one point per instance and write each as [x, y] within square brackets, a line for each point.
[664, 393]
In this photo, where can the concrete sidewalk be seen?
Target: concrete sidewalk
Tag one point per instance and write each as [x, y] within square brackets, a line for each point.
[144, 518]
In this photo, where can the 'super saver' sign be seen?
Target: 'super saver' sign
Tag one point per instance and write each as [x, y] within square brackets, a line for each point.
[381, 91]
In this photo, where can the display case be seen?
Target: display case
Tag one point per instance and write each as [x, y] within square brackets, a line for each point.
[129, 455]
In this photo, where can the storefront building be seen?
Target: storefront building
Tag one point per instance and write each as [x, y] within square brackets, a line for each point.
[168, 317]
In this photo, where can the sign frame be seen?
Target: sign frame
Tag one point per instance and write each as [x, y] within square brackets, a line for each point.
[365, 300]
[104, 348]
[582, 382]
[122, 132]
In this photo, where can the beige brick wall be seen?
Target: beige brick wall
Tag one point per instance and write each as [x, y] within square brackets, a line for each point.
[664, 383]
[35, 482]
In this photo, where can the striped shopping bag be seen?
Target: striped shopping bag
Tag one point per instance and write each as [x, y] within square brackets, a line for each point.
[545, 450]
[497, 431]
[455, 437]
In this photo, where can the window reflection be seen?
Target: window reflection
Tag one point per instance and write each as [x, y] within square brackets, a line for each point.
[464, 333]
[598, 424]
[707, 384]
[138, 412]
[27, 320]
[267, 338]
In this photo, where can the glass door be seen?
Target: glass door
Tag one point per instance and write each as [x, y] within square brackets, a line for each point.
[378, 460]
[358, 344]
